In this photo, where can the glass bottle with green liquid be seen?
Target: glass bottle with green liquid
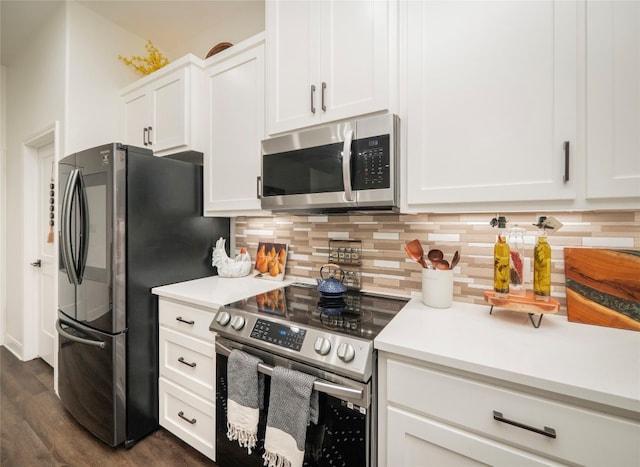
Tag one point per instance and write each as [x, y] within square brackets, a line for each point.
[542, 263]
[501, 267]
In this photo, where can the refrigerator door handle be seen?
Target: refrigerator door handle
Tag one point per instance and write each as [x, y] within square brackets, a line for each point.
[80, 340]
[84, 227]
[65, 228]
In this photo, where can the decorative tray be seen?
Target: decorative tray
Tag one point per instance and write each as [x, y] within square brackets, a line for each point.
[523, 304]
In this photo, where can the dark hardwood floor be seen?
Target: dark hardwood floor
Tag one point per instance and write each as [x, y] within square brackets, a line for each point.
[36, 430]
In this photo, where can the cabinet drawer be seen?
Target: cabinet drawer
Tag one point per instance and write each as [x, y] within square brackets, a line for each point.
[187, 416]
[582, 436]
[188, 362]
[420, 441]
[186, 319]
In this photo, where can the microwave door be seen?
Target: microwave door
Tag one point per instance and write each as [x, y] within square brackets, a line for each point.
[305, 178]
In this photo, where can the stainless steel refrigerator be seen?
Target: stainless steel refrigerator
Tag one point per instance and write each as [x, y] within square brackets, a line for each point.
[128, 221]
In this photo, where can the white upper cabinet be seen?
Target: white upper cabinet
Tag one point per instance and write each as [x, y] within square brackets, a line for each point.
[163, 112]
[613, 100]
[490, 103]
[326, 60]
[235, 83]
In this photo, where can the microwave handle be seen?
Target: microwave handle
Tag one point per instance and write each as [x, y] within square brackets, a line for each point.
[346, 165]
[259, 187]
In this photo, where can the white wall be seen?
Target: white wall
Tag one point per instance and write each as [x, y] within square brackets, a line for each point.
[68, 72]
[95, 78]
[35, 99]
[3, 133]
[248, 21]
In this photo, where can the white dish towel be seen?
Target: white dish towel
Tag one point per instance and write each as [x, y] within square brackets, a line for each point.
[292, 405]
[245, 394]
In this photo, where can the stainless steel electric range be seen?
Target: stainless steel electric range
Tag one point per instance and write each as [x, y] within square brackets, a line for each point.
[330, 337]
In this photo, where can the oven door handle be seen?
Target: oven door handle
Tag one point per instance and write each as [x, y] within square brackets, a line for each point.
[336, 390]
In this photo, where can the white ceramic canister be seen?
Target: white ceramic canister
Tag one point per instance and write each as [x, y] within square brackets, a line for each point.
[437, 287]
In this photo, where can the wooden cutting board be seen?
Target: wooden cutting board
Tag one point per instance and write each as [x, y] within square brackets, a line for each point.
[603, 287]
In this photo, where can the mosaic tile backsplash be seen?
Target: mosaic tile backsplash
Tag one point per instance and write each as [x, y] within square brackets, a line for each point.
[386, 267]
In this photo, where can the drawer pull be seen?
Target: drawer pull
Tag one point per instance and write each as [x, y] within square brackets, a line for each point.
[182, 360]
[190, 420]
[182, 320]
[549, 432]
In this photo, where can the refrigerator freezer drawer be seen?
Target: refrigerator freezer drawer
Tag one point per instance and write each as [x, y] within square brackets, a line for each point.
[91, 369]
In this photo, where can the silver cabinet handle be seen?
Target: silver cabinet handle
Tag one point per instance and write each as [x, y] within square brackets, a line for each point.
[546, 431]
[189, 420]
[149, 133]
[182, 320]
[145, 132]
[183, 361]
[324, 88]
[313, 91]
[565, 177]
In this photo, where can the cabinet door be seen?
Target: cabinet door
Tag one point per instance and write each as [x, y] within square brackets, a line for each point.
[490, 101]
[414, 440]
[137, 117]
[613, 99]
[236, 112]
[171, 110]
[354, 58]
[293, 41]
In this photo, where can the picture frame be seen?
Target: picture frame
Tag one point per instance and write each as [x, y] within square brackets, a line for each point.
[271, 259]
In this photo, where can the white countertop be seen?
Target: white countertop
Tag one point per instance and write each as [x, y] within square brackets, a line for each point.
[213, 292]
[592, 363]
[588, 362]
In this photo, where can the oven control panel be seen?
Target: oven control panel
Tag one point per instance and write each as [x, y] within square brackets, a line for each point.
[345, 355]
[290, 337]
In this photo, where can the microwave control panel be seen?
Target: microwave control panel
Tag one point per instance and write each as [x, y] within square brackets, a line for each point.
[371, 163]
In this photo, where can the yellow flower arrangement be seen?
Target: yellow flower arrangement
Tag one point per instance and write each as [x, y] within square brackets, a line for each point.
[145, 65]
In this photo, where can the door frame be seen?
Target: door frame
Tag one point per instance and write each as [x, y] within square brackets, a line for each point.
[30, 300]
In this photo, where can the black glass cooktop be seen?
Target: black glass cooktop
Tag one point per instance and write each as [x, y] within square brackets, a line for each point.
[355, 313]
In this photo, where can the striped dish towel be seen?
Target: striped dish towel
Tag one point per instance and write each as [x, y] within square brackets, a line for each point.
[244, 398]
[292, 405]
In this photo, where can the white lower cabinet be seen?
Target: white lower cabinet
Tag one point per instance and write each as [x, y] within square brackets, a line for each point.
[430, 416]
[189, 417]
[415, 440]
[187, 374]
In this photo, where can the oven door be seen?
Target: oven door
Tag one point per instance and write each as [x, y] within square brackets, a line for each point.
[343, 435]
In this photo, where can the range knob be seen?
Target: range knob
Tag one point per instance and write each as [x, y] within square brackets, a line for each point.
[346, 352]
[237, 323]
[222, 318]
[322, 345]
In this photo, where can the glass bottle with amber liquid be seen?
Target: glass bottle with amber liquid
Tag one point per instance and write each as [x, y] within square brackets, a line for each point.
[542, 264]
[501, 266]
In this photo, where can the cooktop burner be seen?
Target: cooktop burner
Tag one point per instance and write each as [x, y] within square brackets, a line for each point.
[355, 313]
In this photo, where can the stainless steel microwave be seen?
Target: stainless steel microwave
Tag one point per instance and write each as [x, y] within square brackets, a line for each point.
[346, 166]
